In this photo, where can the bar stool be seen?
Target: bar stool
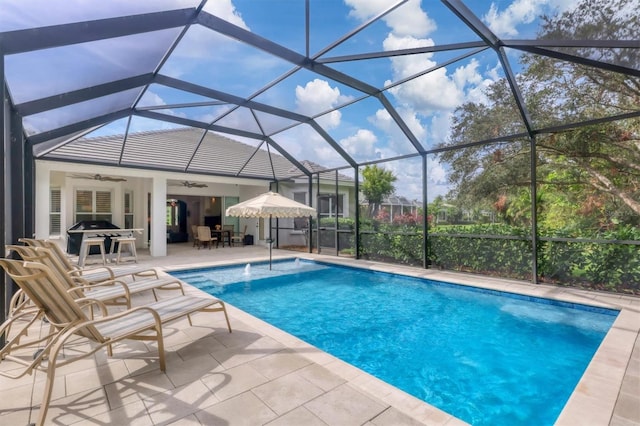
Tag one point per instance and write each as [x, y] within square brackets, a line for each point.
[91, 242]
[130, 242]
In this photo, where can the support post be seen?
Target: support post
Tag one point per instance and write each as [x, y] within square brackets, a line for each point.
[357, 227]
[29, 188]
[336, 225]
[534, 212]
[310, 232]
[158, 215]
[5, 296]
[17, 205]
[425, 219]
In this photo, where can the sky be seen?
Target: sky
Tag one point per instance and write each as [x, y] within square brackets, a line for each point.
[363, 127]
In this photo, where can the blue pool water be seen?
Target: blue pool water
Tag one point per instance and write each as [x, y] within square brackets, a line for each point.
[486, 357]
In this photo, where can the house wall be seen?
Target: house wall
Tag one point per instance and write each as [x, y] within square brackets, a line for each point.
[145, 183]
[142, 183]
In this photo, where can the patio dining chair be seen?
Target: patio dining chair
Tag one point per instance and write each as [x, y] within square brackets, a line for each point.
[204, 237]
[194, 232]
[239, 239]
[227, 233]
[68, 321]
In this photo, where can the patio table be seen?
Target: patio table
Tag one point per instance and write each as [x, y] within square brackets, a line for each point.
[219, 233]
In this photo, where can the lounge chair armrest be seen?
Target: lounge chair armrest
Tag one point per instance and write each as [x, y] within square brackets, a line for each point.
[118, 315]
[85, 302]
[107, 283]
[18, 317]
[111, 283]
[151, 272]
[83, 271]
[80, 281]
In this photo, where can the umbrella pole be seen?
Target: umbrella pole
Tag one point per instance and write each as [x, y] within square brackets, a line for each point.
[270, 242]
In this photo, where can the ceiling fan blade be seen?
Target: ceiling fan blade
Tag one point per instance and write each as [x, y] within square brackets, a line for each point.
[188, 184]
[99, 177]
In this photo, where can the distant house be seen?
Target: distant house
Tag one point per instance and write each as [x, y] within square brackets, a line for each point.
[396, 205]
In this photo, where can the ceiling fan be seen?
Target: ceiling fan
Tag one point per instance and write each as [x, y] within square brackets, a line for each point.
[100, 177]
[188, 184]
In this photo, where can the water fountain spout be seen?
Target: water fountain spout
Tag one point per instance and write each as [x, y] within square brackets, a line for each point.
[247, 269]
[297, 263]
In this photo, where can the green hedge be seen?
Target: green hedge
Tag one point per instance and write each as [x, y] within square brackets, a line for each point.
[607, 264]
[502, 257]
[391, 242]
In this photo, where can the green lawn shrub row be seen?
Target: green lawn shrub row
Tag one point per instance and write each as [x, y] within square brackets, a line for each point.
[607, 260]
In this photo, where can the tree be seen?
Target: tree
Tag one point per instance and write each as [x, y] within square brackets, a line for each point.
[578, 170]
[376, 185]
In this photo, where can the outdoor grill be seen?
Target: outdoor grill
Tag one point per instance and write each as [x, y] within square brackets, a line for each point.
[74, 239]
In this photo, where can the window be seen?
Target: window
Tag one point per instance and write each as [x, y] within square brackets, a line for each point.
[128, 210]
[230, 220]
[300, 223]
[327, 205]
[93, 205]
[300, 197]
[55, 208]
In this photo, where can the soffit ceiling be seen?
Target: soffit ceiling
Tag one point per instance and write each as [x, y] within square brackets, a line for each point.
[226, 88]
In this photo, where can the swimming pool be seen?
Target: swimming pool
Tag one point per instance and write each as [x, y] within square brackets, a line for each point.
[486, 357]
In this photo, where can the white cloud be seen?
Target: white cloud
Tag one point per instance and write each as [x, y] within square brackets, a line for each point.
[326, 156]
[429, 93]
[505, 22]
[362, 145]
[226, 10]
[471, 79]
[151, 98]
[193, 53]
[439, 128]
[408, 173]
[408, 19]
[435, 91]
[431, 97]
[467, 74]
[317, 96]
[436, 174]
[397, 143]
[304, 143]
[18, 14]
[411, 119]
[405, 66]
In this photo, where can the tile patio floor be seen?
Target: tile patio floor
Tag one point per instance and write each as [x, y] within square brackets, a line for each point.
[260, 375]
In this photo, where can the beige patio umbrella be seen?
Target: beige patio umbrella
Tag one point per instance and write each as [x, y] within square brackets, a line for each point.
[268, 205]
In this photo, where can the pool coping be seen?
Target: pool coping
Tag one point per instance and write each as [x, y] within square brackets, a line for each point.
[592, 401]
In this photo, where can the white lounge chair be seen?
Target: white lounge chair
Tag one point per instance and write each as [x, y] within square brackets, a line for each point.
[68, 320]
